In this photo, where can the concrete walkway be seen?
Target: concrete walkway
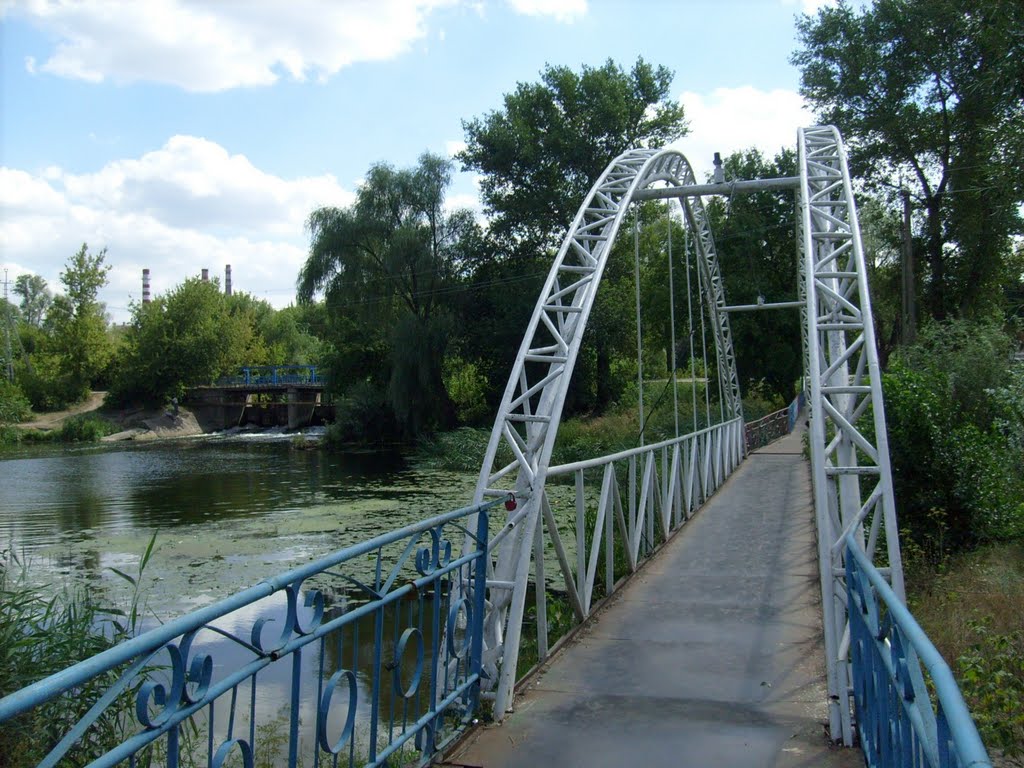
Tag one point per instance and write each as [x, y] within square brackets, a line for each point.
[711, 656]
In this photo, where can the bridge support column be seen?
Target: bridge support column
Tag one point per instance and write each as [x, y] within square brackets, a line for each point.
[301, 405]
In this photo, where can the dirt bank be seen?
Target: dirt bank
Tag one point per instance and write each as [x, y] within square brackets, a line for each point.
[135, 424]
[54, 419]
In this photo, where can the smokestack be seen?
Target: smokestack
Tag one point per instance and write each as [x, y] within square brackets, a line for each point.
[227, 280]
[145, 286]
[206, 275]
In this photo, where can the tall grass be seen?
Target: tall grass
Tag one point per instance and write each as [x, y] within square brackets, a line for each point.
[86, 428]
[972, 609]
[44, 630]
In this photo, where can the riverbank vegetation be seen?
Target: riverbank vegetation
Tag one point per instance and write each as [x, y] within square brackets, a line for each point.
[44, 630]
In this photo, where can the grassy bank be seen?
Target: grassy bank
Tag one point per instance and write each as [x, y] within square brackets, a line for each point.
[87, 428]
[972, 608]
[587, 437]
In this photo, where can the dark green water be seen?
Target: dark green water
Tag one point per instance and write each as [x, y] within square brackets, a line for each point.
[226, 512]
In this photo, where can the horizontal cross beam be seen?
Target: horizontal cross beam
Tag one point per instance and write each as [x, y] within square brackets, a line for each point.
[758, 307]
[724, 188]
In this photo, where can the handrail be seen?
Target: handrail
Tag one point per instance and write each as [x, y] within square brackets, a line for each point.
[565, 469]
[897, 720]
[163, 678]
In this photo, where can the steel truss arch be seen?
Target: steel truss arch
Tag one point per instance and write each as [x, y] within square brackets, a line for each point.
[850, 467]
[531, 408]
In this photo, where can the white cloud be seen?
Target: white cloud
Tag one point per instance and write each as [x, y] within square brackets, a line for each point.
[188, 205]
[810, 7]
[202, 46]
[452, 148]
[733, 119]
[562, 10]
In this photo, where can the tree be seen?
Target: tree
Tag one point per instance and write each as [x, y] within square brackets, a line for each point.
[755, 241]
[540, 154]
[77, 326]
[35, 298]
[930, 95]
[190, 336]
[386, 266]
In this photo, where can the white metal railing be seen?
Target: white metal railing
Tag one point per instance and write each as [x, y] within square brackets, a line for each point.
[664, 484]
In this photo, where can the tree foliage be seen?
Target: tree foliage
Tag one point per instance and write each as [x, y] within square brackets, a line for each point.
[387, 265]
[190, 336]
[72, 349]
[35, 298]
[543, 150]
[930, 95]
[756, 243]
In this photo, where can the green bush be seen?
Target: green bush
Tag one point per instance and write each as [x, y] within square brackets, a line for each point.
[956, 462]
[14, 406]
[87, 428]
[467, 388]
[991, 676]
[363, 415]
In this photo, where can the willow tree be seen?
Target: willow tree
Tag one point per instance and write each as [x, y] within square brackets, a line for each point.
[386, 266]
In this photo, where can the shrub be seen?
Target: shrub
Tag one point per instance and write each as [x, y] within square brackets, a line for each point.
[14, 406]
[467, 388]
[991, 675]
[954, 439]
[87, 428]
[363, 415]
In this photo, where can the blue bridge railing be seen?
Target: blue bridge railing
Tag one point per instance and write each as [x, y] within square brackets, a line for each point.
[896, 721]
[369, 656]
[272, 375]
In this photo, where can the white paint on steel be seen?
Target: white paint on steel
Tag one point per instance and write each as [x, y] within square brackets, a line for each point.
[531, 407]
[850, 469]
[841, 377]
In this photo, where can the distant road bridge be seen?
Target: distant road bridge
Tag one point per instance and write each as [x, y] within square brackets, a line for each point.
[290, 396]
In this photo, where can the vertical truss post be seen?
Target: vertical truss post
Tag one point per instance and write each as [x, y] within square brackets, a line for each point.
[849, 448]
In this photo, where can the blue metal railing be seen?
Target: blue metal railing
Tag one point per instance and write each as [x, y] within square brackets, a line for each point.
[411, 691]
[272, 375]
[896, 721]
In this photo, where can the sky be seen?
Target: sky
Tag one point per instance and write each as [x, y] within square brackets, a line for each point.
[190, 134]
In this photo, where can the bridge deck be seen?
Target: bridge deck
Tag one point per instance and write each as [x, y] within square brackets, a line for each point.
[712, 655]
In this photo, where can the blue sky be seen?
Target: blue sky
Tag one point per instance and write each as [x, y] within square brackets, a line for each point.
[182, 134]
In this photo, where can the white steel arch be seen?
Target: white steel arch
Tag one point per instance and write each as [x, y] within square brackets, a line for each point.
[531, 408]
[849, 465]
[849, 448]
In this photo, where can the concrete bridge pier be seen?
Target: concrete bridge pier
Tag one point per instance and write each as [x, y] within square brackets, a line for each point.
[217, 409]
[302, 403]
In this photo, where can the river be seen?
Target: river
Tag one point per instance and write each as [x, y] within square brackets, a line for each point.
[227, 511]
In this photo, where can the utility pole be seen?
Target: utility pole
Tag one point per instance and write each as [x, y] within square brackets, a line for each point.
[908, 292]
[7, 333]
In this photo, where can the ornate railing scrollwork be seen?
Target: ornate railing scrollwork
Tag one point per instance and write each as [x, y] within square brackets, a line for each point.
[372, 655]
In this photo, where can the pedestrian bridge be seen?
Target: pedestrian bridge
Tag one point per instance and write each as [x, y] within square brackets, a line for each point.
[771, 602]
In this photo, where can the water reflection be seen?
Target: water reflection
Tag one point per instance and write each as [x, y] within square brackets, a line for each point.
[226, 513]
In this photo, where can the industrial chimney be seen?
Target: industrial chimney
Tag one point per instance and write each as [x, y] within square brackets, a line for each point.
[227, 279]
[206, 275]
[145, 286]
